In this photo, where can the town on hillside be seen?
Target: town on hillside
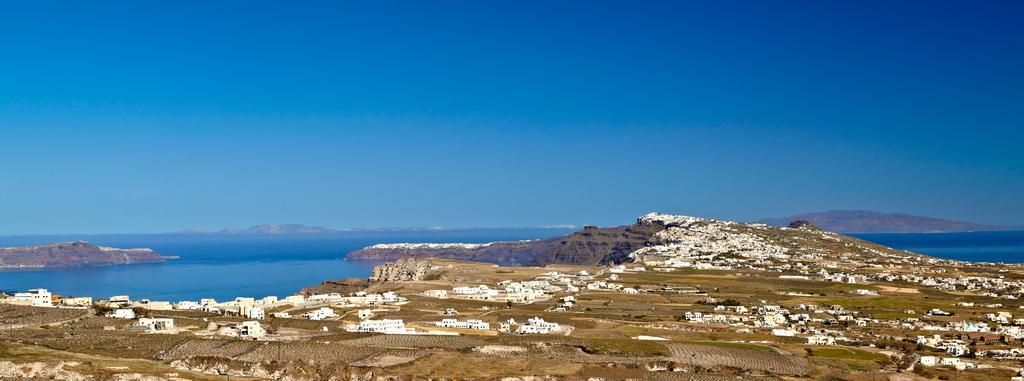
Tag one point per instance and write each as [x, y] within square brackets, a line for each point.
[711, 297]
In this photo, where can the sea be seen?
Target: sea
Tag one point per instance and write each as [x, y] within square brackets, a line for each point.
[986, 246]
[223, 266]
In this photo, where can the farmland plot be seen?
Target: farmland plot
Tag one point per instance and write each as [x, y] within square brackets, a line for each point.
[415, 341]
[749, 359]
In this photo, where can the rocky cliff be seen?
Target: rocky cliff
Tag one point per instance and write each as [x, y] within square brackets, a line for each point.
[592, 245]
[72, 254]
[404, 270]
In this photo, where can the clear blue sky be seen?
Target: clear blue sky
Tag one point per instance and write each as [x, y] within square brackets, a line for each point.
[142, 116]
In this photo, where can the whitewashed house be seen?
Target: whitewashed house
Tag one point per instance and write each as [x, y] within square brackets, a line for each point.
[382, 326]
[122, 313]
[36, 297]
[159, 325]
[320, 314]
[468, 324]
[251, 329]
[538, 325]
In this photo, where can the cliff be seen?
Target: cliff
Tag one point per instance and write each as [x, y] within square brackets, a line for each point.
[72, 254]
[404, 270]
[590, 246]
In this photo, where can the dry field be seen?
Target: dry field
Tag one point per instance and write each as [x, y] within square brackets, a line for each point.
[415, 341]
[13, 317]
[209, 348]
[749, 359]
[314, 352]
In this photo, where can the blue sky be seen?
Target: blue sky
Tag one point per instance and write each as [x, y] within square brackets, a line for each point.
[142, 116]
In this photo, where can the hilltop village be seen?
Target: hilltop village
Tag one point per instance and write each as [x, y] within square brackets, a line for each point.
[701, 299]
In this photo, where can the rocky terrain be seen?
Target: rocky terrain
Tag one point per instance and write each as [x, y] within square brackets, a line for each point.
[862, 221]
[72, 254]
[403, 270]
[345, 286]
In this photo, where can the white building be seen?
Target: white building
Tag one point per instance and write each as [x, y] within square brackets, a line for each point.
[821, 340]
[161, 325]
[538, 325]
[119, 301]
[251, 329]
[188, 305]
[381, 326]
[320, 314]
[84, 301]
[468, 324]
[36, 297]
[122, 313]
[256, 313]
[956, 350]
[154, 305]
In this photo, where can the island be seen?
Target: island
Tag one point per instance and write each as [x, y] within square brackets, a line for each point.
[73, 254]
[866, 222]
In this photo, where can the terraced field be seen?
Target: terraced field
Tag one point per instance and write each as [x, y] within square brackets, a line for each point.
[209, 348]
[308, 351]
[749, 359]
[415, 341]
[13, 317]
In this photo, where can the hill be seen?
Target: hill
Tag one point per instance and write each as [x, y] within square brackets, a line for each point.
[863, 221]
[72, 254]
[654, 237]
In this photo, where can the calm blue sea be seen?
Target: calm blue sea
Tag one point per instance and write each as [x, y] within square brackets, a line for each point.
[225, 266]
[1001, 246]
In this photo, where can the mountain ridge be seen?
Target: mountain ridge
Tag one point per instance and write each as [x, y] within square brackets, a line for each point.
[866, 222]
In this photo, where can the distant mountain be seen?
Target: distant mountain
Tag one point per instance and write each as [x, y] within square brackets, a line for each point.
[297, 229]
[863, 221]
[286, 229]
[264, 229]
[72, 254]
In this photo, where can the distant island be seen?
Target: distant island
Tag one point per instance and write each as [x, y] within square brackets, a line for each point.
[863, 221]
[300, 229]
[592, 245]
[72, 254]
[290, 229]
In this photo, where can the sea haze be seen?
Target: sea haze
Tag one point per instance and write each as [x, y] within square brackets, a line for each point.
[224, 266]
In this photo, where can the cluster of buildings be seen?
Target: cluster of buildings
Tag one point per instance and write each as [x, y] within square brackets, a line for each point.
[386, 326]
[41, 297]
[468, 324]
[691, 242]
[506, 291]
[534, 325]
